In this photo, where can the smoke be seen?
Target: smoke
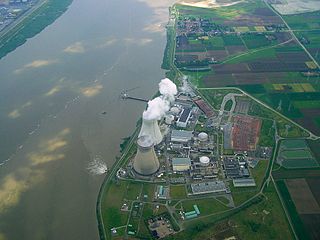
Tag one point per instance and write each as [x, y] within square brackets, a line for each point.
[160, 105]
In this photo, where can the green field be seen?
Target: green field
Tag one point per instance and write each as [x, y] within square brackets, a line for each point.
[294, 216]
[178, 192]
[293, 143]
[206, 206]
[300, 163]
[267, 132]
[294, 154]
[111, 204]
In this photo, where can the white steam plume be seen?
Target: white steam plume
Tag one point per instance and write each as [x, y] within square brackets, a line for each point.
[156, 109]
[160, 105]
[168, 89]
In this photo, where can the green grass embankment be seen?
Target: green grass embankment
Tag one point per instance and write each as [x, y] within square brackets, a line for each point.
[33, 24]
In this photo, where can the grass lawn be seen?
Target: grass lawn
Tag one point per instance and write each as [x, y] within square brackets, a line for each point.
[111, 204]
[240, 195]
[267, 132]
[133, 190]
[178, 192]
[223, 199]
[206, 206]
[148, 189]
[265, 220]
[258, 173]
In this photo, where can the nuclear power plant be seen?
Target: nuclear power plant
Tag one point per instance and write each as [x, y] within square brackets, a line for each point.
[145, 162]
[151, 128]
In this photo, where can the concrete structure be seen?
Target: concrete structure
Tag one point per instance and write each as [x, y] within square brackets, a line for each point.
[184, 118]
[203, 137]
[208, 187]
[175, 110]
[162, 192]
[192, 214]
[145, 162]
[181, 136]
[169, 119]
[181, 164]
[244, 182]
[204, 161]
[151, 128]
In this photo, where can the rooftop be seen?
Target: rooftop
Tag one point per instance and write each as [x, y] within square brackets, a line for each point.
[181, 161]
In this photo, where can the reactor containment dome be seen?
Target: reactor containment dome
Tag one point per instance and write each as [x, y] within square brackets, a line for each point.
[204, 160]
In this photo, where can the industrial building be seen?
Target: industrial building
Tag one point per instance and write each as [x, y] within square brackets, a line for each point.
[184, 118]
[181, 136]
[192, 214]
[162, 192]
[208, 187]
[244, 182]
[181, 164]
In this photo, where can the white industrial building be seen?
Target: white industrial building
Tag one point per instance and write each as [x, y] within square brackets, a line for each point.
[184, 118]
[244, 182]
[181, 136]
[181, 164]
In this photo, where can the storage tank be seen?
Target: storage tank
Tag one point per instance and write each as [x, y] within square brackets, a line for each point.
[203, 137]
[204, 161]
[175, 110]
[169, 119]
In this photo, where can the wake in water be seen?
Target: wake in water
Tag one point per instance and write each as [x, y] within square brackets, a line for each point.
[97, 166]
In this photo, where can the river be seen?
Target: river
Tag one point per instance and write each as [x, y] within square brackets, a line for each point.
[53, 91]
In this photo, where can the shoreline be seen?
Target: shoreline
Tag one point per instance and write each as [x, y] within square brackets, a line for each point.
[30, 24]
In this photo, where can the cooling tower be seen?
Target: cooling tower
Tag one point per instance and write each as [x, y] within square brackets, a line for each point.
[145, 161]
[151, 128]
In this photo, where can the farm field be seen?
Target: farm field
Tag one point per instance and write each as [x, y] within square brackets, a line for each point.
[302, 202]
[248, 46]
[295, 154]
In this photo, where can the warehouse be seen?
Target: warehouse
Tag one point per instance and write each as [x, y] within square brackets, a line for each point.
[184, 118]
[244, 182]
[181, 136]
[208, 187]
[181, 164]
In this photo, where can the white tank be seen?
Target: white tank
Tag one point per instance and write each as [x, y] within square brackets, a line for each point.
[151, 128]
[175, 110]
[169, 119]
[203, 137]
[145, 162]
[204, 161]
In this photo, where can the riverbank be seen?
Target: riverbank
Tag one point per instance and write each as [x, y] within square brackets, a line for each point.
[32, 24]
